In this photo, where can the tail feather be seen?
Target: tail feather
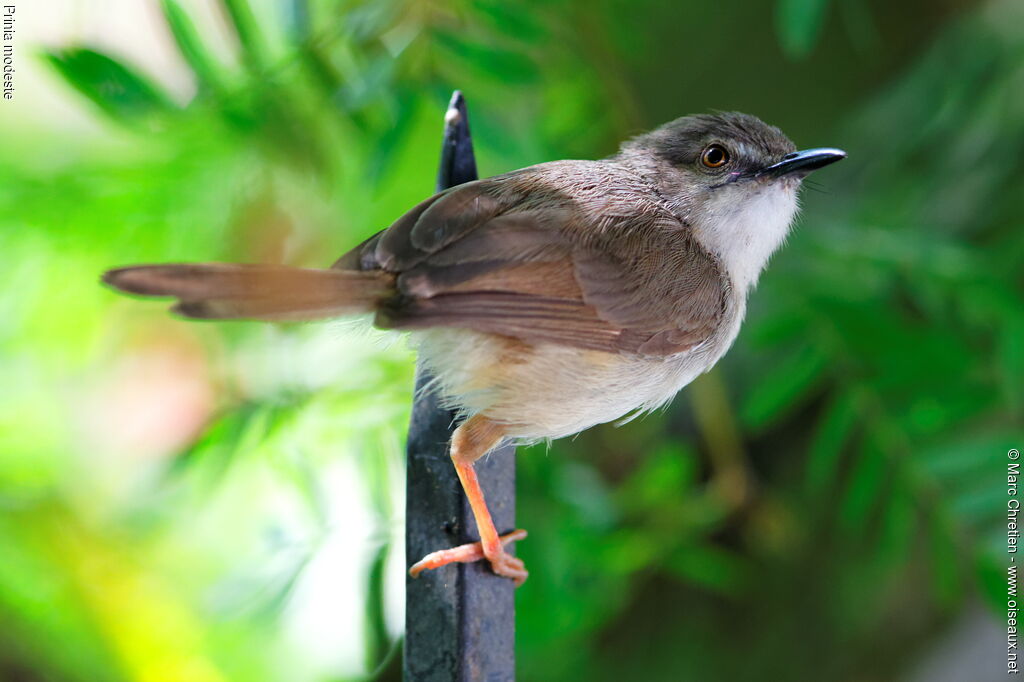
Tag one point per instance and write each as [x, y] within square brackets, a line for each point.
[258, 292]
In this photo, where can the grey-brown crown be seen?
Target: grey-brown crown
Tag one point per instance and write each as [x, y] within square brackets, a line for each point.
[680, 142]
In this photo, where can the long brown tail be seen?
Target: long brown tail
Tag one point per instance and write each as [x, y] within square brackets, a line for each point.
[221, 291]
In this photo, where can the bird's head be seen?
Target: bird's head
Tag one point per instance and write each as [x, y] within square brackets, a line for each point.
[733, 178]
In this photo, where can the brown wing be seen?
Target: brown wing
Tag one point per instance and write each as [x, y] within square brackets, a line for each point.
[535, 260]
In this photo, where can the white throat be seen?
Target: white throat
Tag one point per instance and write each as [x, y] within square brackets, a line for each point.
[744, 225]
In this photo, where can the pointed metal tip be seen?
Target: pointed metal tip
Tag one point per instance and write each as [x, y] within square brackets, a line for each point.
[456, 109]
[457, 162]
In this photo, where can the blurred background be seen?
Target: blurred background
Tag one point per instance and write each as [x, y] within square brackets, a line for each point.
[212, 502]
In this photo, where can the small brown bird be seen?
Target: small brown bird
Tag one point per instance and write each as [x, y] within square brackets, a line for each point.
[552, 298]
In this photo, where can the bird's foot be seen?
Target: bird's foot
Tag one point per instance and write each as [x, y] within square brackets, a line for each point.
[502, 563]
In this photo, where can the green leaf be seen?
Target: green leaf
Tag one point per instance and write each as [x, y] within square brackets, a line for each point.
[118, 90]
[972, 454]
[299, 20]
[320, 68]
[799, 24]
[511, 20]
[834, 430]
[946, 567]
[710, 567]
[783, 386]
[395, 136]
[865, 486]
[378, 642]
[237, 431]
[491, 62]
[660, 479]
[992, 571]
[1011, 362]
[899, 520]
[244, 23]
[784, 324]
[191, 47]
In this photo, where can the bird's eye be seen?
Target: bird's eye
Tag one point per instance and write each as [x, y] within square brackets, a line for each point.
[714, 156]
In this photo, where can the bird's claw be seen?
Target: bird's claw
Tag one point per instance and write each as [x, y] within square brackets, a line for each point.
[502, 563]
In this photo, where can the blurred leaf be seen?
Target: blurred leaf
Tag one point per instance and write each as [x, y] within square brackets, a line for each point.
[321, 69]
[299, 20]
[799, 24]
[992, 571]
[287, 134]
[899, 524]
[514, 66]
[834, 430]
[510, 20]
[237, 431]
[861, 27]
[864, 490]
[378, 641]
[191, 47]
[1011, 362]
[945, 562]
[785, 325]
[395, 137]
[956, 459]
[247, 30]
[711, 567]
[375, 78]
[119, 91]
[663, 477]
[783, 386]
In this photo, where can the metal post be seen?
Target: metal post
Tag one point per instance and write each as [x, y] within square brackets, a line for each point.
[460, 619]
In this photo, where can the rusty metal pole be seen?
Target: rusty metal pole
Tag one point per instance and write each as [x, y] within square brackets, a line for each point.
[460, 619]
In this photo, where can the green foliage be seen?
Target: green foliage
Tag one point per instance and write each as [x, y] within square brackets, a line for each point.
[190, 46]
[117, 89]
[223, 502]
[799, 24]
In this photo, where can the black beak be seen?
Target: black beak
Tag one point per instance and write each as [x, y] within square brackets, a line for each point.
[803, 162]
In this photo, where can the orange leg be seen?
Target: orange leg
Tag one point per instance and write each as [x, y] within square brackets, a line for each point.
[471, 441]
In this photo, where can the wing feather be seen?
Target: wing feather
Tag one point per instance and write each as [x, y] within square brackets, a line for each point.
[524, 257]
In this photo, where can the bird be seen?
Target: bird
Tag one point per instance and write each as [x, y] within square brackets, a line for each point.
[548, 299]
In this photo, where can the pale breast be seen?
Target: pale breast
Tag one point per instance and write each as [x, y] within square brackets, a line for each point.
[549, 391]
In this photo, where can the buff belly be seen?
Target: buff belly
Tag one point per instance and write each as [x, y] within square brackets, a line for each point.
[549, 391]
